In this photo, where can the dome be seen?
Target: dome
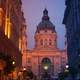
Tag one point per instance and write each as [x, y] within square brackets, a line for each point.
[45, 24]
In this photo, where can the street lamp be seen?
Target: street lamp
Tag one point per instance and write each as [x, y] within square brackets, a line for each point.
[45, 67]
[13, 62]
[67, 68]
[24, 69]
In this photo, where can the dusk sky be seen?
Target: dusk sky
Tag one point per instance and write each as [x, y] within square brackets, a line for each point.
[33, 12]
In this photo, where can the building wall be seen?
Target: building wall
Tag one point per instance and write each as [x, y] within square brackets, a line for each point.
[12, 25]
[45, 53]
[72, 23]
[45, 39]
[11, 10]
[58, 61]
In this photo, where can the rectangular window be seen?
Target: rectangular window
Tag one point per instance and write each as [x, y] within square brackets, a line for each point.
[28, 60]
[8, 27]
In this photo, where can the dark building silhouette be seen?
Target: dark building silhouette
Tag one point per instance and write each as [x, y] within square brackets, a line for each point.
[72, 24]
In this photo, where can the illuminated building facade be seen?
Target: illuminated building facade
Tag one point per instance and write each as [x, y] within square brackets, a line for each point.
[12, 34]
[24, 45]
[45, 58]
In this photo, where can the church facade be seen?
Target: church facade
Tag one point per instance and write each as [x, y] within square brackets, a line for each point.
[45, 57]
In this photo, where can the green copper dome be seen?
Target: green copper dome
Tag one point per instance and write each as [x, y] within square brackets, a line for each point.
[45, 24]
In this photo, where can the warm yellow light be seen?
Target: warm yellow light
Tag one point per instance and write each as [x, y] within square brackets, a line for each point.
[24, 69]
[13, 62]
[19, 44]
[9, 30]
[7, 27]
[1, 16]
[46, 67]
[66, 70]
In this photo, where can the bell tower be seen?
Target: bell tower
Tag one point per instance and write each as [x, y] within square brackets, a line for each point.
[45, 35]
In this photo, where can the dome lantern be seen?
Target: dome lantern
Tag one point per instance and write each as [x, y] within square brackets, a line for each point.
[45, 24]
[45, 15]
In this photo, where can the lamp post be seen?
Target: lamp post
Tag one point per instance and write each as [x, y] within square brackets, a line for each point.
[13, 64]
[46, 74]
[67, 68]
[24, 72]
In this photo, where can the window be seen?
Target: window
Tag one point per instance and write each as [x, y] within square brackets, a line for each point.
[20, 44]
[45, 30]
[8, 27]
[41, 42]
[28, 61]
[50, 42]
[45, 41]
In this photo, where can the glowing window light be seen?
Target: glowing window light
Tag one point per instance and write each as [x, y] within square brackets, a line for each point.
[7, 27]
[9, 30]
[19, 44]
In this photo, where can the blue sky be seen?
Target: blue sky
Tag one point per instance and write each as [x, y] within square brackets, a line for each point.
[33, 12]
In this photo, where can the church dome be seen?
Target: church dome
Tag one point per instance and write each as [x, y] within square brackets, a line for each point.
[45, 24]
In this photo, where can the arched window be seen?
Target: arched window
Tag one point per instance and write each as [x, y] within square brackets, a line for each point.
[28, 60]
[50, 42]
[46, 60]
[41, 42]
[45, 41]
[46, 64]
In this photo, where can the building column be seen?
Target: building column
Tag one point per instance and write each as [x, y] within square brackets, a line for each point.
[1, 17]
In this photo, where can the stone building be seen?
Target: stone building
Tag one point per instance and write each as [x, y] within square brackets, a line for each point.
[45, 58]
[72, 24]
[12, 25]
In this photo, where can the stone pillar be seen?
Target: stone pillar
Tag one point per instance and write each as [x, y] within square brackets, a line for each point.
[24, 63]
[1, 17]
